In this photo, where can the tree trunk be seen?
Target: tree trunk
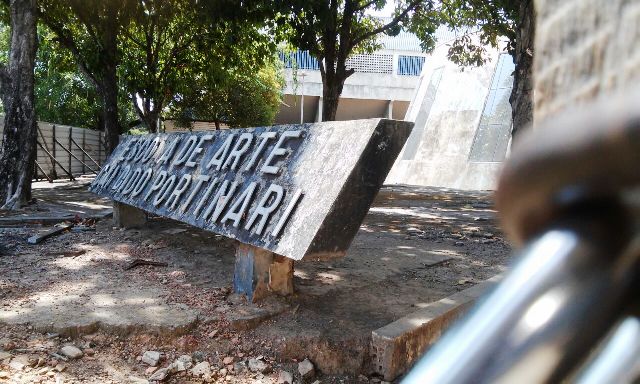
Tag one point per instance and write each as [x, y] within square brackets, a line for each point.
[331, 91]
[18, 150]
[521, 98]
[110, 110]
[109, 86]
[332, 85]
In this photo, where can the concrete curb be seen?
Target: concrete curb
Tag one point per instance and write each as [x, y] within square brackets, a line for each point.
[396, 346]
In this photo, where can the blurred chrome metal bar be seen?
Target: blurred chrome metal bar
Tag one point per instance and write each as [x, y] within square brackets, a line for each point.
[541, 322]
[619, 360]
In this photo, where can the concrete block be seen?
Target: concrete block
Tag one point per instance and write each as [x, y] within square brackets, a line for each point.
[396, 346]
[295, 190]
[127, 216]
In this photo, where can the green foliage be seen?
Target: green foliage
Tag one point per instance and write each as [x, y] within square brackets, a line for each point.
[198, 67]
[62, 94]
[329, 29]
[479, 23]
[242, 98]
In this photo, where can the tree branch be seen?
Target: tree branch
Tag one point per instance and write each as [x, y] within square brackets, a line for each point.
[395, 21]
[365, 6]
[67, 41]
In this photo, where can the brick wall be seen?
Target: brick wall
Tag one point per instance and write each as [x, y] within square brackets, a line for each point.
[585, 49]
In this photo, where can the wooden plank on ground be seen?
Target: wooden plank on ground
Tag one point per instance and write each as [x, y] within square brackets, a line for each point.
[42, 236]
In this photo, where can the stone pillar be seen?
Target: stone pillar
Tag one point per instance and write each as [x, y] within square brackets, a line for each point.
[259, 273]
[319, 110]
[390, 109]
[126, 216]
[584, 50]
[394, 65]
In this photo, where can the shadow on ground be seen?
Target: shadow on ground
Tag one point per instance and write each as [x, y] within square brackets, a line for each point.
[417, 245]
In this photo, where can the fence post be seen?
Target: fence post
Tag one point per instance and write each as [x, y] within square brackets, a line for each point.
[53, 143]
[84, 146]
[70, 149]
[99, 147]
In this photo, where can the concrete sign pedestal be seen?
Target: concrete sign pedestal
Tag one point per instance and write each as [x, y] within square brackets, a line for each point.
[294, 191]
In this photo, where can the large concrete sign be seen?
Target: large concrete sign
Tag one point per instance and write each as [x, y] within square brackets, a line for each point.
[295, 190]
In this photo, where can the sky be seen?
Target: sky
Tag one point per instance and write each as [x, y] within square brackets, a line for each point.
[384, 12]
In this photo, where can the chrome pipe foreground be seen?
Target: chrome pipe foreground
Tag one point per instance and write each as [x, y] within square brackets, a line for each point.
[619, 360]
[569, 287]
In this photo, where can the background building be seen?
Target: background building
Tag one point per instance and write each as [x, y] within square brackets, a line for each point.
[382, 86]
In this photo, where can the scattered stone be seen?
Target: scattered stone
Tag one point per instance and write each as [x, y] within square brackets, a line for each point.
[459, 243]
[19, 363]
[33, 361]
[285, 377]
[306, 369]
[89, 352]
[160, 375]
[150, 370]
[60, 367]
[201, 369]
[183, 363]
[4, 375]
[4, 355]
[223, 372]
[137, 380]
[239, 367]
[8, 345]
[198, 356]
[213, 333]
[361, 378]
[227, 360]
[43, 371]
[151, 358]
[71, 351]
[41, 362]
[260, 366]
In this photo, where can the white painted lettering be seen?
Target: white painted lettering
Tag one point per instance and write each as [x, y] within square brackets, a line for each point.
[191, 162]
[278, 150]
[221, 154]
[185, 151]
[183, 184]
[237, 210]
[265, 136]
[242, 145]
[269, 203]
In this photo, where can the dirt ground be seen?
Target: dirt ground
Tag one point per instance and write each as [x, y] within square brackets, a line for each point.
[417, 245]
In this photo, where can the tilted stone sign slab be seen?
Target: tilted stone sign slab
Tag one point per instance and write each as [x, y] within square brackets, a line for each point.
[295, 190]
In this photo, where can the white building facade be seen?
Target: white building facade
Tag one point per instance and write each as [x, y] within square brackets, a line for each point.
[382, 86]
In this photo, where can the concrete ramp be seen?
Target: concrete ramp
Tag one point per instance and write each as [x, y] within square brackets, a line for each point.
[462, 122]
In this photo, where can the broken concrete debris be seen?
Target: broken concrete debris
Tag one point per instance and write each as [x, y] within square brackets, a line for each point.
[306, 369]
[71, 351]
[151, 358]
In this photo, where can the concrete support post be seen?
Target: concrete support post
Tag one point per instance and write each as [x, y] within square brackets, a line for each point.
[126, 216]
[319, 110]
[259, 273]
[390, 109]
[396, 58]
